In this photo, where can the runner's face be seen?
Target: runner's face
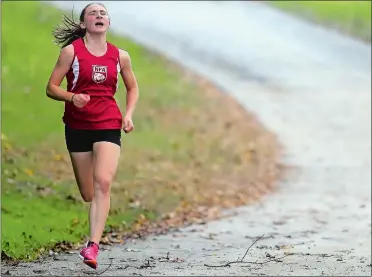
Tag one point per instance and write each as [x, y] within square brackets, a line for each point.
[96, 19]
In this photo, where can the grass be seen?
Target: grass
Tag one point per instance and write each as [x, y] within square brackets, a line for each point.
[193, 147]
[351, 17]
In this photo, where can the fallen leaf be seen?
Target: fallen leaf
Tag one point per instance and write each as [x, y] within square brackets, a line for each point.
[285, 246]
[28, 171]
[7, 146]
[58, 157]
[279, 222]
[75, 221]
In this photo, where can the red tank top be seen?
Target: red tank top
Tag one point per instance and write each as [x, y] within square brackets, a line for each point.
[98, 77]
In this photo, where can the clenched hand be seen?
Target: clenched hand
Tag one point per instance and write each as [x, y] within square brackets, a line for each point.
[80, 100]
[128, 124]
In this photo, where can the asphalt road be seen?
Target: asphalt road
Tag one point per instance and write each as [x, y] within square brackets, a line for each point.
[310, 86]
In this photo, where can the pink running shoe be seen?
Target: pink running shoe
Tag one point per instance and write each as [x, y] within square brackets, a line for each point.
[89, 254]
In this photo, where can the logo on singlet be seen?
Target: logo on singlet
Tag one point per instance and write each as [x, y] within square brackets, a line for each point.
[99, 73]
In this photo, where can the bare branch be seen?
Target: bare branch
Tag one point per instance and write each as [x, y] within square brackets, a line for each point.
[241, 261]
[107, 267]
[249, 262]
[246, 252]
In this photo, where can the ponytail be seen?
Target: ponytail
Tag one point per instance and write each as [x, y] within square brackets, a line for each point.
[65, 35]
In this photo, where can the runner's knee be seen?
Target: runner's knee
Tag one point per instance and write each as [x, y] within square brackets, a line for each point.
[102, 182]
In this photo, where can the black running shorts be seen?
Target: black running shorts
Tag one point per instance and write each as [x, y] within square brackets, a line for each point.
[82, 140]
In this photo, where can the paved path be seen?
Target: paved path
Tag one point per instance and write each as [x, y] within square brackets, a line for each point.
[310, 86]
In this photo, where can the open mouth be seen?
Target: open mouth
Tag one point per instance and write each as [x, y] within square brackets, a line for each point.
[99, 24]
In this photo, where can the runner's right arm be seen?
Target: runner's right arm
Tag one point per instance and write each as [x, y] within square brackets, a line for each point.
[53, 89]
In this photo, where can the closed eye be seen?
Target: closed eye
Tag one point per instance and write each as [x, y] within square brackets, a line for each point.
[101, 12]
